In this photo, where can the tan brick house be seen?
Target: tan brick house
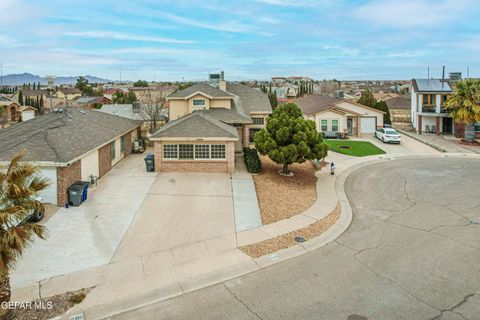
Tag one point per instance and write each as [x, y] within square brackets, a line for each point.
[70, 145]
[208, 124]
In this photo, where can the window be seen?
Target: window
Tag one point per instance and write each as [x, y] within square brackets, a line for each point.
[428, 99]
[185, 151]
[170, 151]
[202, 151]
[259, 121]
[218, 151]
[335, 125]
[252, 133]
[112, 150]
[122, 144]
[198, 102]
[324, 125]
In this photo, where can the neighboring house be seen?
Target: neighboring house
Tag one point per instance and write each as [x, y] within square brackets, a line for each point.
[35, 95]
[208, 124]
[11, 109]
[340, 116]
[135, 111]
[90, 102]
[153, 93]
[428, 113]
[279, 80]
[68, 94]
[27, 112]
[399, 108]
[382, 96]
[69, 146]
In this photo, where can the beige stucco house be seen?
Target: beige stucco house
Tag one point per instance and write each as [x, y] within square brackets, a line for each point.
[207, 125]
[68, 94]
[341, 116]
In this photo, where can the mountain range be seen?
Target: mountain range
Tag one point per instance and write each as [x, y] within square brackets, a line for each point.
[21, 78]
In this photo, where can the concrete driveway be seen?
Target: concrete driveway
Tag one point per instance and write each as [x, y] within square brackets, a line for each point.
[412, 252]
[190, 213]
[88, 236]
[408, 146]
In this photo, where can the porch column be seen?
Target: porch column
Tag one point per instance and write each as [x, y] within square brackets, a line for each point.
[437, 125]
[358, 126]
[419, 124]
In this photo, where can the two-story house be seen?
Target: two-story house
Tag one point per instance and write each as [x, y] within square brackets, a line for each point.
[208, 124]
[428, 113]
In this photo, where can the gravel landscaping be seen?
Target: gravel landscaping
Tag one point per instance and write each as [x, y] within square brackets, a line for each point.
[287, 240]
[281, 197]
[52, 306]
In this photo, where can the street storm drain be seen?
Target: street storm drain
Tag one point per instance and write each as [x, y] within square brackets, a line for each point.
[356, 317]
[299, 239]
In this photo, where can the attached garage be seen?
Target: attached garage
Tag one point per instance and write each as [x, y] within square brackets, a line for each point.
[90, 166]
[49, 194]
[368, 124]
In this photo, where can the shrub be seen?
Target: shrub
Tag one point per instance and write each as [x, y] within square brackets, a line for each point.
[252, 161]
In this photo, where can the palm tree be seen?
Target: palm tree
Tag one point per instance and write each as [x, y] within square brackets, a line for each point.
[464, 105]
[20, 183]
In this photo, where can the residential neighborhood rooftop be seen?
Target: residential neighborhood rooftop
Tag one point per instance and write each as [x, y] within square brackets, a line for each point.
[315, 103]
[196, 125]
[61, 137]
[200, 87]
[431, 85]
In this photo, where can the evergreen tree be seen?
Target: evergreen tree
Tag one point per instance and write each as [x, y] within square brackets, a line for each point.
[289, 138]
[20, 98]
[367, 99]
[382, 106]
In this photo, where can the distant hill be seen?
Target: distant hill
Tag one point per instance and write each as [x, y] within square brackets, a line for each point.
[19, 79]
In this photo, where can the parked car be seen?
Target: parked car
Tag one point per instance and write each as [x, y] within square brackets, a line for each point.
[388, 135]
[34, 215]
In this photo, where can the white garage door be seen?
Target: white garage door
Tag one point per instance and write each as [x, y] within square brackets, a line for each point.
[90, 166]
[368, 124]
[49, 194]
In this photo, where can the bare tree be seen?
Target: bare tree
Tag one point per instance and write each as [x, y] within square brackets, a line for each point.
[153, 111]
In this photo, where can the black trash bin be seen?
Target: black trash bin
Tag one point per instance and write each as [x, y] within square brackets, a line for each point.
[84, 185]
[75, 195]
[150, 162]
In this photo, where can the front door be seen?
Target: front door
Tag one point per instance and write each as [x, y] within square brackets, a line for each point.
[350, 126]
[447, 125]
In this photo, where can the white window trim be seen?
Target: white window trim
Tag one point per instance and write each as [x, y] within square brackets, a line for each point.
[195, 158]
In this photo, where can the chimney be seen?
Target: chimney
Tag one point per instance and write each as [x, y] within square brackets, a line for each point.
[222, 85]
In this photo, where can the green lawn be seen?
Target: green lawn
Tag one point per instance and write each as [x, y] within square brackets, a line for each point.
[358, 148]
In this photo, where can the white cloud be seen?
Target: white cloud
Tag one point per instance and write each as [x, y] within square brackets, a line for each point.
[124, 36]
[228, 26]
[411, 13]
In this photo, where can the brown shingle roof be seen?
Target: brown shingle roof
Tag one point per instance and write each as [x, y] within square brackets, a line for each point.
[315, 103]
[62, 137]
[197, 124]
[402, 102]
[201, 87]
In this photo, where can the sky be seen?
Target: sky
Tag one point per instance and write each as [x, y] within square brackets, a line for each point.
[249, 39]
